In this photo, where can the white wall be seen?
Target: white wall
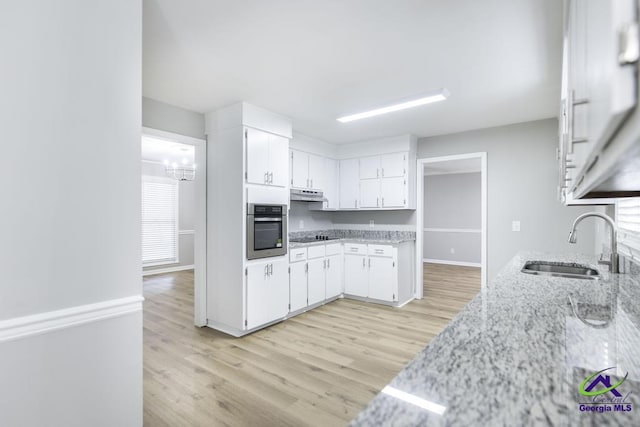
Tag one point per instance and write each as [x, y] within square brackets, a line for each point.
[186, 218]
[312, 220]
[453, 201]
[70, 117]
[167, 117]
[522, 180]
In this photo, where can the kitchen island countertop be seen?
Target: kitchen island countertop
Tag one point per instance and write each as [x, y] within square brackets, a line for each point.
[518, 353]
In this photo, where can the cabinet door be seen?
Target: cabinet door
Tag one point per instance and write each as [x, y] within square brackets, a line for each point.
[257, 156]
[267, 293]
[278, 160]
[299, 169]
[393, 192]
[356, 280]
[316, 172]
[349, 184]
[334, 277]
[298, 286]
[369, 193]
[382, 279]
[315, 280]
[393, 165]
[369, 167]
[330, 183]
[610, 84]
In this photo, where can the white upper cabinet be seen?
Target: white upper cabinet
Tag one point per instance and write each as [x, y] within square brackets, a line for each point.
[598, 123]
[307, 170]
[316, 172]
[393, 192]
[370, 167]
[330, 184]
[299, 169]
[257, 156]
[393, 165]
[349, 184]
[384, 182]
[278, 154]
[266, 158]
[369, 193]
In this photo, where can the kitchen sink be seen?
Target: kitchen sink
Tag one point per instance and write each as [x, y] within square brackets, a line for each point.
[561, 269]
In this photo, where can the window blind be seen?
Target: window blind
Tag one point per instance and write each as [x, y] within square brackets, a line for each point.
[628, 220]
[159, 221]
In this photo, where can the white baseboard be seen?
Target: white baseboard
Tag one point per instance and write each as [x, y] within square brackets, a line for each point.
[167, 270]
[460, 263]
[36, 324]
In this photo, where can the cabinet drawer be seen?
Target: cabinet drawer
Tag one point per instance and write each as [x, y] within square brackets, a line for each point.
[380, 250]
[333, 249]
[315, 251]
[297, 254]
[355, 248]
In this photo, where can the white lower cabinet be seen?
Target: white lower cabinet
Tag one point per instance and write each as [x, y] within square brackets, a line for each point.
[383, 280]
[297, 286]
[315, 275]
[371, 271]
[316, 280]
[381, 273]
[267, 292]
[334, 276]
[356, 275]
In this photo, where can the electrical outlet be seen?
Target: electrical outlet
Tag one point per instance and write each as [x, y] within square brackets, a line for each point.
[371, 223]
[452, 250]
[301, 224]
[515, 225]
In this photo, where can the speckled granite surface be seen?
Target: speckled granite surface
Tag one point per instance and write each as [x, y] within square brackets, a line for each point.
[357, 236]
[517, 354]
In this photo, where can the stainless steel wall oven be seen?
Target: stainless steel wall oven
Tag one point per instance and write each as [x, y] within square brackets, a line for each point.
[266, 230]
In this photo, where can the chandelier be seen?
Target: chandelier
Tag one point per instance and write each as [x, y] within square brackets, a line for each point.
[180, 172]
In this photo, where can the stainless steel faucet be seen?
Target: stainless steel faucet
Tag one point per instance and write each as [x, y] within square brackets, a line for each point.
[613, 262]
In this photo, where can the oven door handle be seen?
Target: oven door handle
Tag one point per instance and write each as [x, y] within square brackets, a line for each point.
[267, 219]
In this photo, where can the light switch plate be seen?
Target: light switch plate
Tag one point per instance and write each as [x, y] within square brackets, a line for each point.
[301, 224]
[515, 226]
[371, 223]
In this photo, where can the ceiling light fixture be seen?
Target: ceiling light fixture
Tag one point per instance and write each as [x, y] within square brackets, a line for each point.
[182, 172]
[436, 96]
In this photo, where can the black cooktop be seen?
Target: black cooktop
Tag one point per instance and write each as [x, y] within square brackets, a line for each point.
[310, 239]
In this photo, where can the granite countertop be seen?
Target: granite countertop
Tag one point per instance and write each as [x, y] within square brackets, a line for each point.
[519, 351]
[383, 237]
[351, 240]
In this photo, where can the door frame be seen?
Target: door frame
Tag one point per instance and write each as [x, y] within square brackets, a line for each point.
[200, 220]
[420, 214]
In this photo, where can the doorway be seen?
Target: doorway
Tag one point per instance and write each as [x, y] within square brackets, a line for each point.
[174, 176]
[451, 215]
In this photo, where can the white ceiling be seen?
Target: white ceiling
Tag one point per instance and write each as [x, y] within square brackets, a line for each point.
[317, 60]
[453, 166]
[159, 150]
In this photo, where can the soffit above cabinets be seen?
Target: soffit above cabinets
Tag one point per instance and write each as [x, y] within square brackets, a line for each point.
[316, 61]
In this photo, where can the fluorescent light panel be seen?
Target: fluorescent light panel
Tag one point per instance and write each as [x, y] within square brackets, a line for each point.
[440, 95]
[414, 400]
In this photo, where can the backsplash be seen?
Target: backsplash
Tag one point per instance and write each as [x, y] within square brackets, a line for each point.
[356, 234]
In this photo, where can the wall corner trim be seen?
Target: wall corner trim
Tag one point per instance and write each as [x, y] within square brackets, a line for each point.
[41, 323]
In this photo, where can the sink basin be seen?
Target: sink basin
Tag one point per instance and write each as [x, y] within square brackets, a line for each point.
[560, 269]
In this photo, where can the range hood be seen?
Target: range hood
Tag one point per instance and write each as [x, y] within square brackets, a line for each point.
[298, 195]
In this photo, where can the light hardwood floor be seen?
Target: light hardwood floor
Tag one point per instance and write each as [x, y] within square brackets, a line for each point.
[319, 368]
